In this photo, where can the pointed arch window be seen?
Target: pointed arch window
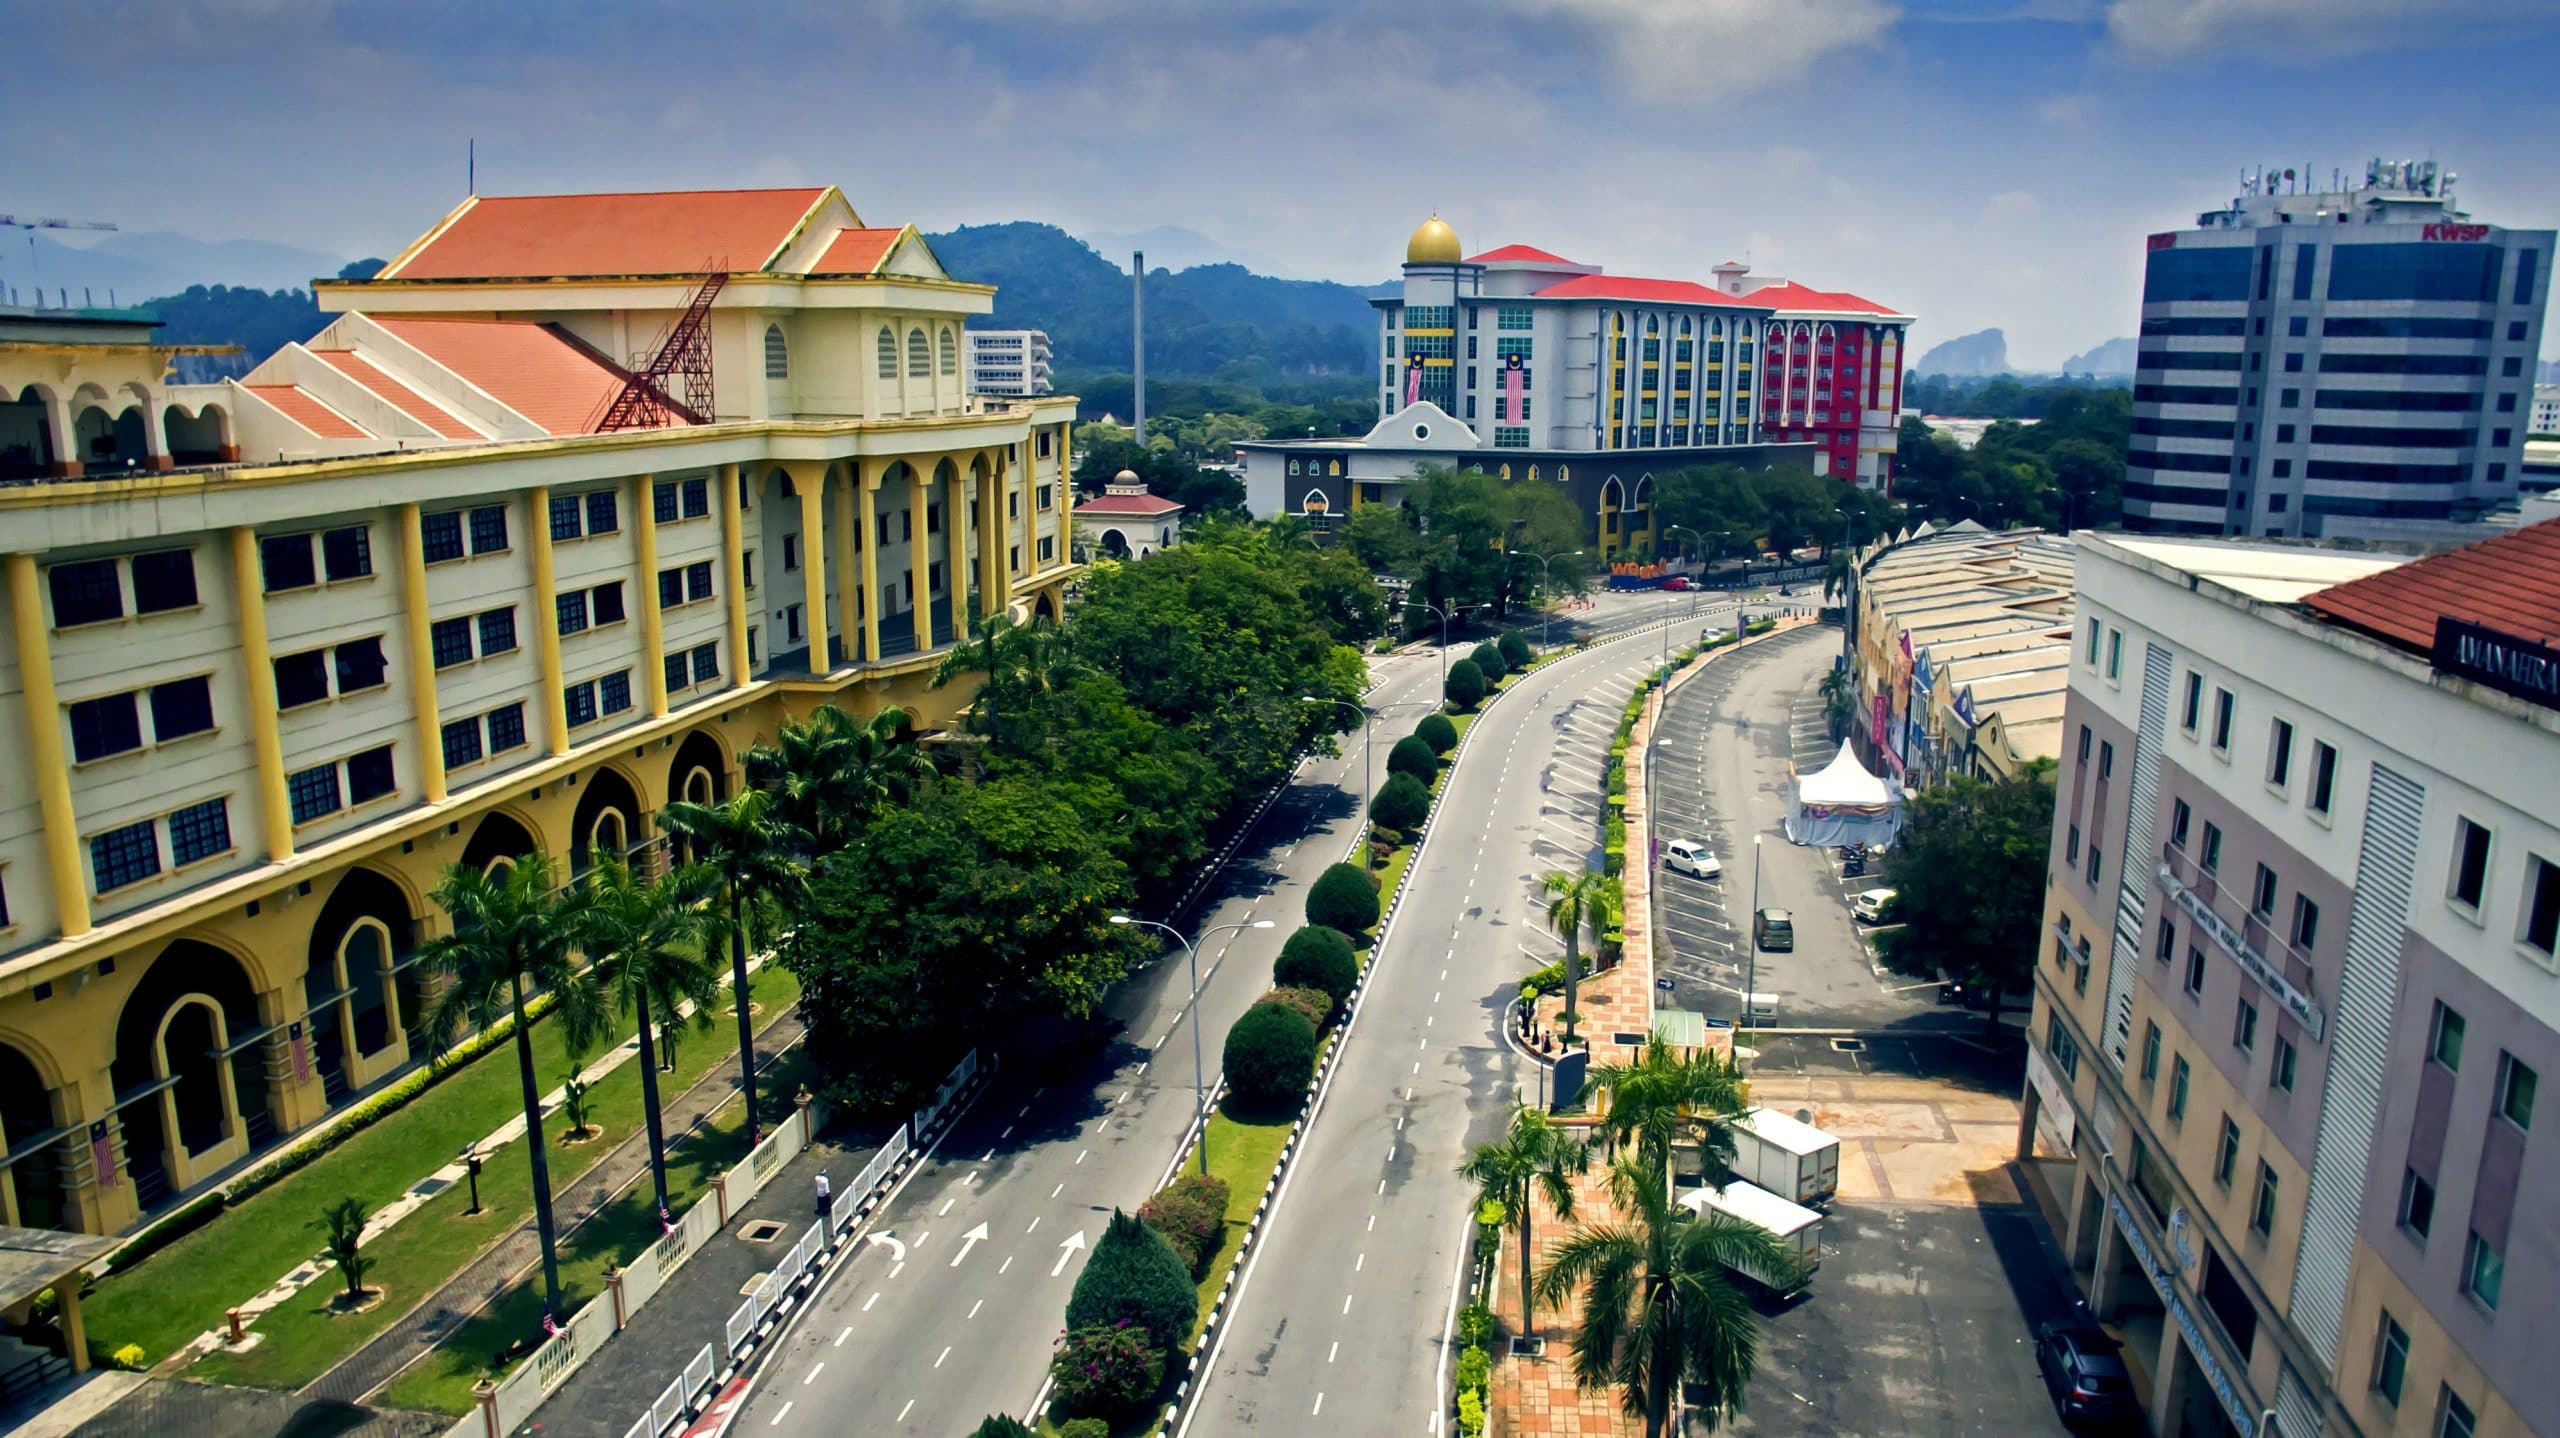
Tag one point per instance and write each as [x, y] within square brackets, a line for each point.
[777, 354]
[950, 352]
[919, 355]
[888, 353]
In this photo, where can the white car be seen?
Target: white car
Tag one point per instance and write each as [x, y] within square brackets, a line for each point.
[1687, 856]
[1873, 905]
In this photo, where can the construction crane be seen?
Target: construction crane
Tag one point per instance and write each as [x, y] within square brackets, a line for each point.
[33, 223]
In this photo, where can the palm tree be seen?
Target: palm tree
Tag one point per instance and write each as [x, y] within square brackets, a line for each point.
[1576, 902]
[750, 852]
[1660, 1306]
[651, 943]
[983, 654]
[514, 931]
[1534, 1156]
[805, 770]
[1665, 1097]
[1838, 573]
[1839, 697]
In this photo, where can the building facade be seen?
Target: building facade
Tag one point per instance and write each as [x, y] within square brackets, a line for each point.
[2546, 409]
[451, 609]
[1126, 522]
[2342, 363]
[1961, 654]
[2301, 975]
[1536, 367]
[1008, 362]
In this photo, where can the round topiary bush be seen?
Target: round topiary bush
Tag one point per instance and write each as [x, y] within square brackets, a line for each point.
[1270, 1053]
[1316, 1004]
[1436, 731]
[1489, 659]
[1106, 1368]
[1135, 1276]
[1402, 804]
[1317, 958]
[1191, 1213]
[1515, 650]
[1466, 685]
[1344, 899]
[1415, 757]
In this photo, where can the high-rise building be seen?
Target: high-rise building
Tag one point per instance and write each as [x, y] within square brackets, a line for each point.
[1008, 362]
[2300, 976]
[441, 586]
[2347, 363]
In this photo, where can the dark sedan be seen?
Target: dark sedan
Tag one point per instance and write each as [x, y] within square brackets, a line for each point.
[2087, 1379]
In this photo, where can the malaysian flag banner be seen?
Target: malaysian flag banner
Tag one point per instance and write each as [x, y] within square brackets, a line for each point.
[1412, 378]
[1514, 374]
[102, 1153]
[301, 1054]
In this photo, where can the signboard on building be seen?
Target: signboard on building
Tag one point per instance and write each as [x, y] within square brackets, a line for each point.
[2055, 1118]
[2457, 234]
[2163, 1282]
[2295, 1002]
[2505, 662]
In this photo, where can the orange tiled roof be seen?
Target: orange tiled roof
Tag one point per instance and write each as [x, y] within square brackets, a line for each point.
[523, 366]
[399, 396]
[582, 236]
[1139, 506]
[2510, 583]
[1791, 296]
[856, 252]
[298, 405]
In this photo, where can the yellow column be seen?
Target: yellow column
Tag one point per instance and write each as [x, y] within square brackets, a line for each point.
[422, 653]
[44, 748]
[275, 812]
[866, 490]
[991, 560]
[644, 561]
[955, 531]
[850, 608]
[811, 481]
[733, 573]
[919, 559]
[546, 620]
[1065, 487]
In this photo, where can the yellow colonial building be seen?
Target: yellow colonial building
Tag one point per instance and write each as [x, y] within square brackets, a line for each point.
[575, 501]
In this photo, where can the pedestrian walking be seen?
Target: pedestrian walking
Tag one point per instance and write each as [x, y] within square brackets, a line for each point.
[826, 1195]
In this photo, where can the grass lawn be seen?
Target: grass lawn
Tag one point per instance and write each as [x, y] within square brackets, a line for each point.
[303, 1340]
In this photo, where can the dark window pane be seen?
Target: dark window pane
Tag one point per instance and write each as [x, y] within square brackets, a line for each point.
[506, 729]
[2198, 273]
[361, 665]
[461, 742]
[604, 513]
[564, 516]
[441, 535]
[662, 501]
[86, 592]
[489, 529]
[166, 580]
[181, 707]
[451, 641]
[124, 856]
[580, 701]
[606, 603]
[613, 692]
[314, 792]
[302, 678]
[571, 609]
[347, 553]
[697, 498]
[497, 632]
[697, 580]
[706, 662]
[2542, 912]
[285, 562]
[106, 725]
[200, 831]
[677, 673]
[2414, 272]
[369, 775]
[670, 588]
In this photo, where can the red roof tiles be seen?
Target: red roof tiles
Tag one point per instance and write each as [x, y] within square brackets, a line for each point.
[525, 367]
[298, 405]
[856, 252]
[2510, 583]
[1136, 506]
[399, 396]
[1530, 253]
[1792, 296]
[584, 236]
[1627, 287]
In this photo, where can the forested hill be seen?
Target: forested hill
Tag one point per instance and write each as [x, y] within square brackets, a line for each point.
[1203, 322]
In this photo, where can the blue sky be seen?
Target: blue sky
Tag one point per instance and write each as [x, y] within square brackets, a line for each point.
[1972, 162]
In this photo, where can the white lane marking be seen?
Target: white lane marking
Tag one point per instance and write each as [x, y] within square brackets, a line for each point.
[814, 1370]
[903, 1412]
[1080, 1153]
[848, 1333]
[776, 1420]
[866, 1304]
[1053, 1193]
[897, 1268]
[974, 1307]
[1346, 1303]
[946, 1207]
[1417, 1065]
[1319, 1408]
[1008, 1132]
[1068, 1247]
[1391, 1153]
[1035, 1221]
[1001, 1267]
[1373, 1223]
[1382, 1186]
[1330, 1352]
[946, 1352]
[1359, 1263]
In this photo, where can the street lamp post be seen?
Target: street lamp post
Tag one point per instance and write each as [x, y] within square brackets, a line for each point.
[1199, 1065]
[1546, 611]
[1444, 636]
[1365, 771]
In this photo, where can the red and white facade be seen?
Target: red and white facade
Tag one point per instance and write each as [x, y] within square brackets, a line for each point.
[1830, 374]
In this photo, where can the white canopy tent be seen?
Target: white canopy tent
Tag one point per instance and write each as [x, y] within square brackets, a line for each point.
[1842, 803]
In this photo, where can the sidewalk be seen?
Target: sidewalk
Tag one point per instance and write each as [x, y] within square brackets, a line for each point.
[507, 1263]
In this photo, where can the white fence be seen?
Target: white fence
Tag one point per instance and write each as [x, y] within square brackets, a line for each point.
[514, 1401]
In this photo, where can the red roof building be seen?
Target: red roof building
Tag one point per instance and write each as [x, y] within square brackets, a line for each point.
[686, 232]
[2510, 584]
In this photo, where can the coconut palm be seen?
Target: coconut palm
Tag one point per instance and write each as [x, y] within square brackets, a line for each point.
[751, 853]
[1666, 1097]
[1839, 697]
[1839, 572]
[831, 772]
[982, 654]
[1660, 1303]
[1534, 1156]
[651, 942]
[1576, 902]
[512, 932]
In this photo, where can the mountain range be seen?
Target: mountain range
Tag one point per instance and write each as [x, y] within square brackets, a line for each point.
[1984, 354]
[128, 267]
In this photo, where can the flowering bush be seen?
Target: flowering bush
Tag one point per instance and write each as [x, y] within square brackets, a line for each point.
[1107, 1369]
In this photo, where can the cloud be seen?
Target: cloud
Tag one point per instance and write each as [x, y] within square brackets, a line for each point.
[2302, 29]
[2070, 110]
[1686, 47]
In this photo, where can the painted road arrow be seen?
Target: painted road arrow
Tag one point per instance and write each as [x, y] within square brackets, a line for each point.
[897, 1250]
[968, 1241]
[1068, 1247]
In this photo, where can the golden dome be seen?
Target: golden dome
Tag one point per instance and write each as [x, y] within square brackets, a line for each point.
[1433, 244]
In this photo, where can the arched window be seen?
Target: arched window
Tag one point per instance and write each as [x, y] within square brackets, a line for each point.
[888, 353]
[1533, 474]
[610, 836]
[777, 354]
[1684, 326]
[950, 352]
[919, 355]
[698, 787]
[1564, 472]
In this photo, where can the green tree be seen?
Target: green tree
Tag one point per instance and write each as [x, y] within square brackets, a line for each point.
[830, 772]
[1436, 731]
[1970, 868]
[1402, 805]
[1316, 957]
[1415, 757]
[1343, 898]
[343, 1222]
[1136, 1277]
[515, 931]
[982, 654]
[651, 940]
[1660, 1306]
[1839, 690]
[1002, 1425]
[751, 851]
[1516, 653]
[1534, 1156]
[1488, 657]
[1664, 1098]
[1269, 1053]
[1465, 686]
[1576, 902]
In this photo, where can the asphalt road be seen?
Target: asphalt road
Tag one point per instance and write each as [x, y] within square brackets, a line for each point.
[1345, 1326]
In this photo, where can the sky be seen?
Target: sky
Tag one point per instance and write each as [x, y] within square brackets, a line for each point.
[1974, 163]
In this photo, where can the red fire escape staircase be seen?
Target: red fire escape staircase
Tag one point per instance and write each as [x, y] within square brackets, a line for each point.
[679, 360]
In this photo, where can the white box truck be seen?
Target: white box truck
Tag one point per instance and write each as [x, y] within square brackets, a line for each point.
[1796, 1227]
[1786, 1156]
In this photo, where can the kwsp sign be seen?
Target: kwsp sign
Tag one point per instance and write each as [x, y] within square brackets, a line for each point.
[2460, 234]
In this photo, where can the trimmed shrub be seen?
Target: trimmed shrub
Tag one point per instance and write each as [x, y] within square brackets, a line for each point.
[1316, 1004]
[1402, 804]
[1084, 1428]
[1317, 958]
[1436, 731]
[1489, 658]
[1515, 650]
[1134, 1275]
[1466, 685]
[1345, 899]
[1270, 1054]
[1416, 757]
[1191, 1213]
[1004, 1425]
[1107, 1369]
